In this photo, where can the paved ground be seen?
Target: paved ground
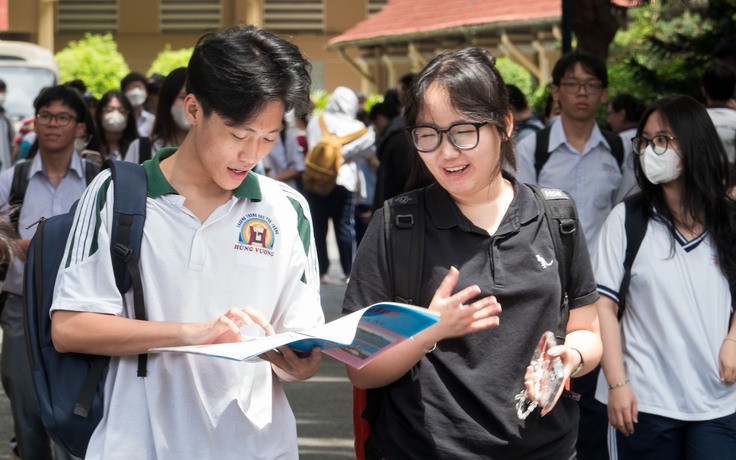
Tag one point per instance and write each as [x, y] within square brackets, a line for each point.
[323, 405]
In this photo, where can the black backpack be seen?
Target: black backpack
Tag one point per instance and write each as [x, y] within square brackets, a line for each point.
[69, 386]
[17, 195]
[635, 227]
[20, 184]
[404, 235]
[542, 153]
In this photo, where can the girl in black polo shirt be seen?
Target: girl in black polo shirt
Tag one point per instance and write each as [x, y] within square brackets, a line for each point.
[489, 269]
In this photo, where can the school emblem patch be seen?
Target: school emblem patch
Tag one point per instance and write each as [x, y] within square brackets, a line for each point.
[256, 234]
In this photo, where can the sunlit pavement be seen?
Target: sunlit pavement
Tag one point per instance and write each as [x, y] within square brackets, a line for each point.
[323, 404]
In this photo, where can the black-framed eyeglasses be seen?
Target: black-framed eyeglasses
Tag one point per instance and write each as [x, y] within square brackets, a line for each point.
[591, 87]
[659, 143]
[463, 135]
[62, 119]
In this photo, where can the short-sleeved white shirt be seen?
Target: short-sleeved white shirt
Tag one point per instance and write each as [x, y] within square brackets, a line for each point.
[592, 178]
[677, 314]
[255, 250]
[285, 155]
[42, 199]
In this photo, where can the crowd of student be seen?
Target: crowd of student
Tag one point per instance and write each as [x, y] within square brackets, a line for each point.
[469, 143]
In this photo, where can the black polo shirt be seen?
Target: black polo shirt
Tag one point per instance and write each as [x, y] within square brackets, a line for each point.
[458, 401]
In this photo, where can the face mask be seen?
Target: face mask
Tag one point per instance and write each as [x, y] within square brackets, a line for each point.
[80, 144]
[553, 120]
[177, 113]
[136, 96]
[114, 122]
[660, 169]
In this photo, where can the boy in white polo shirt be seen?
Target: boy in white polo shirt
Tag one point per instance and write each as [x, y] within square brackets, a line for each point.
[222, 249]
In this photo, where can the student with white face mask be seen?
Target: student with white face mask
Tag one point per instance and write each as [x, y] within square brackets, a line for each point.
[115, 124]
[669, 363]
[133, 86]
[171, 124]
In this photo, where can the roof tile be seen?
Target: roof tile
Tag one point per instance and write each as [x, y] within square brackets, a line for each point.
[401, 17]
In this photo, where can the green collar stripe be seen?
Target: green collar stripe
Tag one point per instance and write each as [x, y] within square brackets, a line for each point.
[305, 230]
[158, 185]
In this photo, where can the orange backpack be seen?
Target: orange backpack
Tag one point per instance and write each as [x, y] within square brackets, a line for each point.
[323, 162]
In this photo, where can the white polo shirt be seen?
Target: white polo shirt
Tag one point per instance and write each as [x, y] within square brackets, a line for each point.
[677, 313]
[255, 250]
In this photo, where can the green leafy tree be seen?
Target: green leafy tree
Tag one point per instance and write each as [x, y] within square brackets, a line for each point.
[666, 46]
[168, 60]
[517, 75]
[319, 97]
[95, 60]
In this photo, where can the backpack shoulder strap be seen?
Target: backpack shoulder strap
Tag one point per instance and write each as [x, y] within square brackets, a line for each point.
[616, 144]
[90, 171]
[18, 189]
[144, 149]
[323, 126]
[541, 150]
[562, 219]
[348, 138]
[403, 220]
[635, 227]
[129, 215]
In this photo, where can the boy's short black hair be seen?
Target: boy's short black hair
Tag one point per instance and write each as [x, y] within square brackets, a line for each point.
[77, 84]
[517, 98]
[407, 79]
[3, 86]
[719, 81]
[590, 64]
[131, 78]
[64, 94]
[632, 107]
[236, 71]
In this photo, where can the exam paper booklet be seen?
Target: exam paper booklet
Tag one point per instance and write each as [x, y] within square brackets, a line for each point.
[355, 339]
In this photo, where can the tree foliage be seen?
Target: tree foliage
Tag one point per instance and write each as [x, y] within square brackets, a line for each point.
[168, 60]
[517, 75]
[666, 46]
[95, 60]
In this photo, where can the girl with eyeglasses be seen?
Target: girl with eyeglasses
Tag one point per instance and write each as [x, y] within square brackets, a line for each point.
[669, 363]
[489, 269]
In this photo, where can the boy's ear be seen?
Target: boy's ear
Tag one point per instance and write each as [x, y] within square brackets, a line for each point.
[192, 109]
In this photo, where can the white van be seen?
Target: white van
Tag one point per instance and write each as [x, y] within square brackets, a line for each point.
[26, 68]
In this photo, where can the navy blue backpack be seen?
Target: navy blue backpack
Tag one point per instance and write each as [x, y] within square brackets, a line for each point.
[69, 386]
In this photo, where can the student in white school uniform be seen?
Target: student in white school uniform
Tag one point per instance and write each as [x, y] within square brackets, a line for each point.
[206, 271]
[670, 364]
[285, 163]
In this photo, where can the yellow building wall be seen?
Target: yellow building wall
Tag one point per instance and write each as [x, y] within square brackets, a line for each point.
[139, 39]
